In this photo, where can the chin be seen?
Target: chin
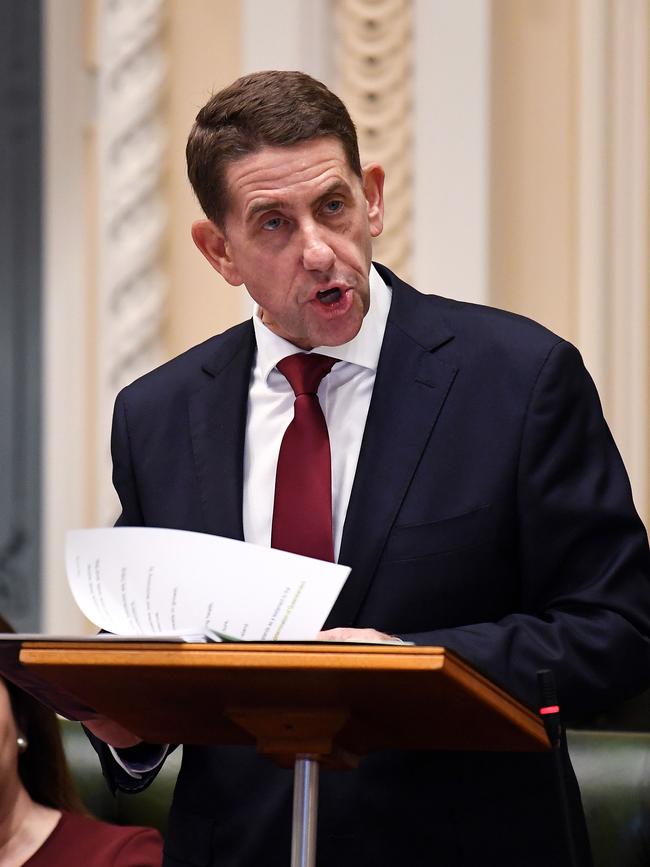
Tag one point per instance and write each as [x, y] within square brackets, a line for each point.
[337, 337]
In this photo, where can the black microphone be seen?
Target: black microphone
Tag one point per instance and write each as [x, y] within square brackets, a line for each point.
[550, 712]
[549, 708]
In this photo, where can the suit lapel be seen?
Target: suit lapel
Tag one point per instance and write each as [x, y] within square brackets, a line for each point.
[410, 389]
[217, 415]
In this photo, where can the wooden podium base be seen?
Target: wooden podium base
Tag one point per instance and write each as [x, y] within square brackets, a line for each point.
[303, 705]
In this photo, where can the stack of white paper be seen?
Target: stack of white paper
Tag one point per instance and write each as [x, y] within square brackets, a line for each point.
[147, 581]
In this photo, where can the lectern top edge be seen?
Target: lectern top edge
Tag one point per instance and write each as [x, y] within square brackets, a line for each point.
[238, 646]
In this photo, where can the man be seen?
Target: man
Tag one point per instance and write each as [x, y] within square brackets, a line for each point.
[476, 494]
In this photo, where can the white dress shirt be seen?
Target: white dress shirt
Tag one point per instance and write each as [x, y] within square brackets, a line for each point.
[344, 396]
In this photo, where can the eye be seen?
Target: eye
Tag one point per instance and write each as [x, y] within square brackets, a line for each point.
[272, 224]
[334, 206]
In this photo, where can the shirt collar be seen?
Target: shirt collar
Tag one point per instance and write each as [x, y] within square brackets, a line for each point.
[363, 349]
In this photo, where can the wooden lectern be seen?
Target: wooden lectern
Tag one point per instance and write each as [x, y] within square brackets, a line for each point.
[301, 704]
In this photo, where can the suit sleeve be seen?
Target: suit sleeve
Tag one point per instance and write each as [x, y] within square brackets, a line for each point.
[582, 558]
[117, 778]
[123, 470]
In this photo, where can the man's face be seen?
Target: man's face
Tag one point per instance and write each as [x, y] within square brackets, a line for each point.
[298, 234]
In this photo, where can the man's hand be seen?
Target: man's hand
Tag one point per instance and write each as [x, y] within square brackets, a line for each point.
[347, 633]
[112, 733]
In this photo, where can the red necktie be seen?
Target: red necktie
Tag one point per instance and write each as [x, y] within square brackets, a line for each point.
[302, 511]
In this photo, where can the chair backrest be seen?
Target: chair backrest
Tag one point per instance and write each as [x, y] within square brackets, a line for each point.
[613, 769]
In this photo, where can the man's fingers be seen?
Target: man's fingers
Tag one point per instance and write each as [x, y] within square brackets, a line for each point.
[112, 733]
[347, 633]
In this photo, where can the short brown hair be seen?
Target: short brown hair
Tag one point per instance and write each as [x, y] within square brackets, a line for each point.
[264, 109]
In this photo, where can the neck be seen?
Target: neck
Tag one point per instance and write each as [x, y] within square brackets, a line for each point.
[24, 824]
[14, 808]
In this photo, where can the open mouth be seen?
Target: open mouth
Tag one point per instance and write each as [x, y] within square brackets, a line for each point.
[330, 296]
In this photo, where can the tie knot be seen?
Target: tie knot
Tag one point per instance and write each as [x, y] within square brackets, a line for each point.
[305, 372]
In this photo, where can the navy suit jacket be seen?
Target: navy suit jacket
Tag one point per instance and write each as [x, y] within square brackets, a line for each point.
[490, 513]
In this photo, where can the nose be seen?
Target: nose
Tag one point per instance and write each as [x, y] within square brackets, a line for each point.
[317, 254]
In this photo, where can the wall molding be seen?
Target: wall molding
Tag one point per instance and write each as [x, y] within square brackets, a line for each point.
[451, 205]
[66, 360]
[288, 34]
[613, 206]
[132, 280]
[374, 77]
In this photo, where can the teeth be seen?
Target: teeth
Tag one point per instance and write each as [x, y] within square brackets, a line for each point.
[329, 296]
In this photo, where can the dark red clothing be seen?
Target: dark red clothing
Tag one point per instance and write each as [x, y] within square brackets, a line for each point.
[90, 843]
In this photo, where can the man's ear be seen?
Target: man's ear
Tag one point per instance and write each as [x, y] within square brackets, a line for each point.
[373, 190]
[212, 242]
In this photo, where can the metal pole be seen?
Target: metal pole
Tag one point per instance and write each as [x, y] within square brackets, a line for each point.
[305, 812]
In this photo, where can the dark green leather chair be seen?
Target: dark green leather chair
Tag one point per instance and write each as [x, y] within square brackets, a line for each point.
[613, 769]
[148, 808]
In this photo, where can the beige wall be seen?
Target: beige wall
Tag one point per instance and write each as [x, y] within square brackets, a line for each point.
[533, 142]
[535, 226]
[204, 55]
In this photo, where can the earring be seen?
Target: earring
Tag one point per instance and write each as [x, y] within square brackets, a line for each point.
[22, 743]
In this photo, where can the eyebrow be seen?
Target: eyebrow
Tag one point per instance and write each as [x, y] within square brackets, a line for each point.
[264, 205]
[277, 204]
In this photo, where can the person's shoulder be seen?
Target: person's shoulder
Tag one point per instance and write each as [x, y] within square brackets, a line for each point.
[187, 370]
[475, 328]
[94, 843]
[494, 325]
